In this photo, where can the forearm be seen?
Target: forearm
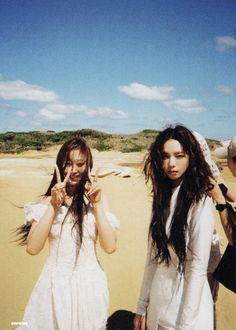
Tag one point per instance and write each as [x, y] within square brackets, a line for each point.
[229, 194]
[195, 278]
[226, 225]
[144, 295]
[106, 234]
[201, 230]
[40, 231]
[220, 199]
[149, 272]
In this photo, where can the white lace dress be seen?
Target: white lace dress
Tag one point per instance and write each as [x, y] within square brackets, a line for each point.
[71, 292]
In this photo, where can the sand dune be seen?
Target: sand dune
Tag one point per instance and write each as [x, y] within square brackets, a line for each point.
[25, 177]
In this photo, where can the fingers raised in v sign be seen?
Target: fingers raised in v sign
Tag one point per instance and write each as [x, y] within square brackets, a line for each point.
[96, 175]
[58, 192]
[58, 176]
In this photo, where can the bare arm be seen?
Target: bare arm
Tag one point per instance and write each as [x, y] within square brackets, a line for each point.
[106, 234]
[40, 230]
[219, 198]
[226, 226]
[230, 194]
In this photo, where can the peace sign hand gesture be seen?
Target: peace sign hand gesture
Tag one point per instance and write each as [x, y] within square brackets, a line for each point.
[93, 190]
[58, 192]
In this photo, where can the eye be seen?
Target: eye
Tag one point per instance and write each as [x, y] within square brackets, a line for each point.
[165, 156]
[182, 155]
[80, 164]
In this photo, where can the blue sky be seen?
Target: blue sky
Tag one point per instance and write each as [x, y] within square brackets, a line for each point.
[118, 66]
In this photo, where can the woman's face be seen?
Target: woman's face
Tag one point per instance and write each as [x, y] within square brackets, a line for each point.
[175, 161]
[77, 162]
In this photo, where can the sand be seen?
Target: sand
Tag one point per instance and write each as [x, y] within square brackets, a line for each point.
[25, 177]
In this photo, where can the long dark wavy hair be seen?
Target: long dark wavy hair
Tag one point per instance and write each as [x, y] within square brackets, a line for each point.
[194, 187]
[78, 206]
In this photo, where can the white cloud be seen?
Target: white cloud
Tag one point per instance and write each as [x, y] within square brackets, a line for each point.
[61, 108]
[226, 90]
[186, 105]
[107, 112]
[225, 43]
[164, 95]
[50, 115]
[142, 92]
[36, 123]
[19, 90]
[21, 113]
[58, 111]
[53, 108]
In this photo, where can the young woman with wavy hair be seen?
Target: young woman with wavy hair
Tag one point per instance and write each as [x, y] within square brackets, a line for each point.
[71, 292]
[175, 293]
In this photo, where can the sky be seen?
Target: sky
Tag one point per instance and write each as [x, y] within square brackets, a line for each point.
[118, 66]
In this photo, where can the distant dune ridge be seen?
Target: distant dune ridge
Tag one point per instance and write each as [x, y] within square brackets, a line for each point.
[17, 142]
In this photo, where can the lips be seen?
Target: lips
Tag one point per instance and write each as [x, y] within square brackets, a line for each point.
[172, 172]
[74, 177]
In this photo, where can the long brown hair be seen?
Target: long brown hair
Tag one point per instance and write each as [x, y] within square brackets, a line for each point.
[78, 206]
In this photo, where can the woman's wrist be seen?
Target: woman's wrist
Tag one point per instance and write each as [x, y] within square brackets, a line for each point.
[221, 206]
[53, 207]
[97, 205]
[220, 201]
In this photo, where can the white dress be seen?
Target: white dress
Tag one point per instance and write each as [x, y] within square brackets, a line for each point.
[175, 302]
[71, 292]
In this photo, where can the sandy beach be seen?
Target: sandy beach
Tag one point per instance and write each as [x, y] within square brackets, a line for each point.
[25, 177]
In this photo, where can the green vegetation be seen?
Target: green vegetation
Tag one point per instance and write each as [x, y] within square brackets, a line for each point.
[149, 131]
[16, 142]
[133, 148]
[213, 143]
[101, 144]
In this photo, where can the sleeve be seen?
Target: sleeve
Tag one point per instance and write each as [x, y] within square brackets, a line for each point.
[149, 271]
[215, 254]
[114, 222]
[200, 238]
[34, 211]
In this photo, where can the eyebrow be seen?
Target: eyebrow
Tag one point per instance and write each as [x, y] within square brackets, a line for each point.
[175, 153]
[79, 160]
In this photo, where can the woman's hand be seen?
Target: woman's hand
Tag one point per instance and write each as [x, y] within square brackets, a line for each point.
[215, 193]
[219, 198]
[139, 322]
[93, 190]
[58, 192]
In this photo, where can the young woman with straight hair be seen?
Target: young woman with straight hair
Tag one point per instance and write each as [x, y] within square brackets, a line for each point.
[71, 292]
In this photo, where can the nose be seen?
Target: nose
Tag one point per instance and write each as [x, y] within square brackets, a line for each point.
[74, 168]
[172, 161]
